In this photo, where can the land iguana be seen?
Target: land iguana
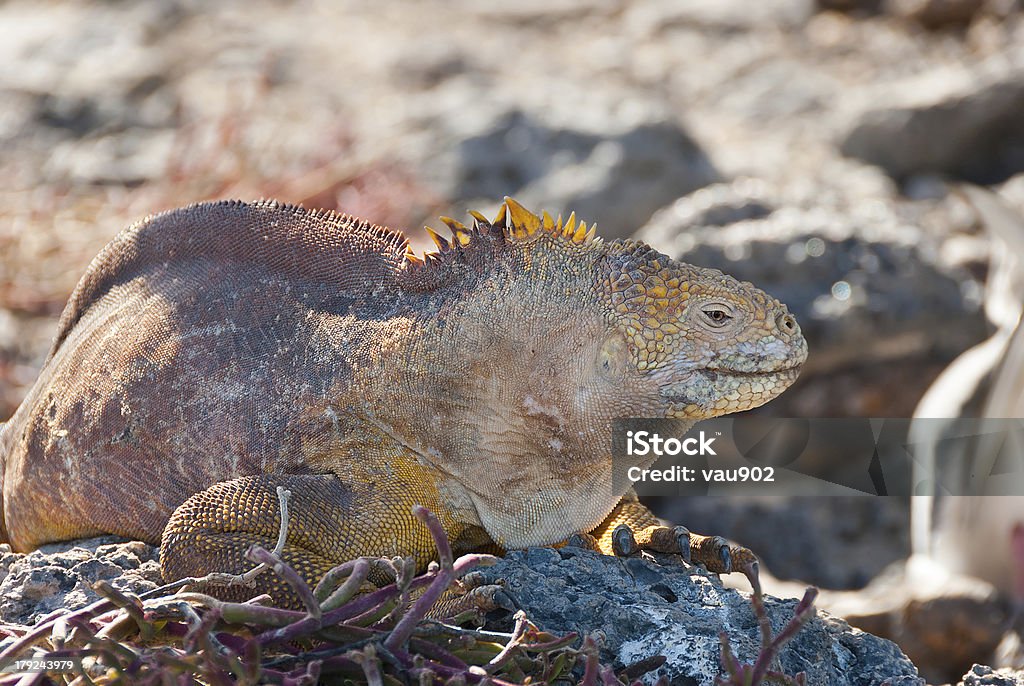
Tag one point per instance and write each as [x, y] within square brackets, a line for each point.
[213, 353]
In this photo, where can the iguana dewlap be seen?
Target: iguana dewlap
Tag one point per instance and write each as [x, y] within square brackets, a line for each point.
[212, 353]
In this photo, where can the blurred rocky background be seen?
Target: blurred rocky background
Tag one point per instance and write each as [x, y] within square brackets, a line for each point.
[811, 147]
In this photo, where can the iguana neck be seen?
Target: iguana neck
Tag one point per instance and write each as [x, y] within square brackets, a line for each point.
[489, 389]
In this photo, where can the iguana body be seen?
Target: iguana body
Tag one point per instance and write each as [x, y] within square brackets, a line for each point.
[213, 353]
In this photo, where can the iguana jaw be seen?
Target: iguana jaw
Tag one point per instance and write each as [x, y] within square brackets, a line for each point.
[707, 393]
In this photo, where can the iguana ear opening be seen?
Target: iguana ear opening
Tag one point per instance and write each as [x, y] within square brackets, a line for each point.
[613, 358]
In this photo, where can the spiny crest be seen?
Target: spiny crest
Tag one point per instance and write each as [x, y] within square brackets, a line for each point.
[514, 223]
[521, 224]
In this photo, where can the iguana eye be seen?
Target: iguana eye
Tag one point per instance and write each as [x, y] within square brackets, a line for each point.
[716, 315]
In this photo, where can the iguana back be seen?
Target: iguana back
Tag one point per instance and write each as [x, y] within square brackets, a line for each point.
[210, 321]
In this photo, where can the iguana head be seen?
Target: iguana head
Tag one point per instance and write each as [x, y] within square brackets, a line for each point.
[635, 332]
[712, 345]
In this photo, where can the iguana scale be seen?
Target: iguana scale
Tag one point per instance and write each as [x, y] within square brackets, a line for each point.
[213, 353]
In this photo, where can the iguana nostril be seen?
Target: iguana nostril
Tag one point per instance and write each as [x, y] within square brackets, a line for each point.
[786, 322]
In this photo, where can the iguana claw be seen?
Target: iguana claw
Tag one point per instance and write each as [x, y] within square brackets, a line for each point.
[585, 541]
[624, 542]
[682, 535]
[713, 552]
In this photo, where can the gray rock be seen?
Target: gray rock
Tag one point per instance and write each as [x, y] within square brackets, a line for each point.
[981, 675]
[974, 132]
[645, 608]
[931, 14]
[641, 607]
[724, 15]
[62, 574]
[943, 622]
[620, 172]
[854, 6]
[97, 100]
[1013, 192]
[936, 14]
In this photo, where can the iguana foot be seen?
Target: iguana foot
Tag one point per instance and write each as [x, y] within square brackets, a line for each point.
[212, 530]
[632, 529]
[713, 552]
[472, 594]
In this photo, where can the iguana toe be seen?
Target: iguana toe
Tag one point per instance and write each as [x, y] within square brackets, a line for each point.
[718, 555]
[624, 542]
[467, 596]
[583, 540]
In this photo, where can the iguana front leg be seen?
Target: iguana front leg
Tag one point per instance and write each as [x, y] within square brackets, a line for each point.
[632, 527]
[212, 530]
[330, 522]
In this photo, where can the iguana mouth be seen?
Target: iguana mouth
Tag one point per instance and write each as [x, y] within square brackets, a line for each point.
[704, 385]
[713, 374]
